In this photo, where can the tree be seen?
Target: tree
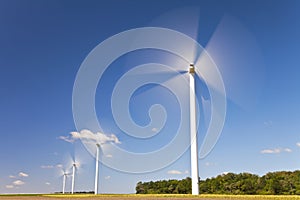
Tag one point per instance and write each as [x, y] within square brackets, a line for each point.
[243, 183]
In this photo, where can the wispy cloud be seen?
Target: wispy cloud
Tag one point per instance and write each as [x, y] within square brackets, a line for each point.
[288, 150]
[298, 144]
[98, 137]
[22, 174]
[276, 151]
[66, 139]
[59, 166]
[209, 164]
[18, 182]
[47, 183]
[88, 135]
[107, 177]
[174, 172]
[177, 172]
[109, 156]
[268, 123]
[9, 186]
[12, 176]
[47, 166]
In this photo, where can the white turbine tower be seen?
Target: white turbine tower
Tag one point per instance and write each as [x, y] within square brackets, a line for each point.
[97, 168]
[193, 133]
[73, 177]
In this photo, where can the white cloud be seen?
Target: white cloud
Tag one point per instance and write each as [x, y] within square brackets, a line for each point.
[109, 156]
[59, 166]
[298, 144]
[154, 130]
[66, 139]
[47, 183]
[97, 137]
[9, 186]
[174, 172]
[18, 182]
[22, 174]
[47, 166]
[275, 151]
[88, 135]
[11, 176]
[209, 164]
[270, 151]
[288, 150]
[186, 171]
[107, 177]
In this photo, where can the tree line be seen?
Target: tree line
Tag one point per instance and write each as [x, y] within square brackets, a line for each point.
[276, 183]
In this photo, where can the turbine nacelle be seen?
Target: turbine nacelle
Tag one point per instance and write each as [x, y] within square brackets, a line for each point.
[192, 68]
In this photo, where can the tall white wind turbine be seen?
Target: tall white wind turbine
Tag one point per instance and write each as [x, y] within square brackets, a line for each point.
[188, 51]
[193, 133]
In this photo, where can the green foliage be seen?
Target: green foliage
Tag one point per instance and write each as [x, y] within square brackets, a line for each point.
[165, 187]
[273, 183]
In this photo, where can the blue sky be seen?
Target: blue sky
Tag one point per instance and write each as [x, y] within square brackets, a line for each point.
[43, 44]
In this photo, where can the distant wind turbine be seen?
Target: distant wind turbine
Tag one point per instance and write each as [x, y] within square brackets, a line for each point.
[64, 175]
[64, 182]
[73, 177]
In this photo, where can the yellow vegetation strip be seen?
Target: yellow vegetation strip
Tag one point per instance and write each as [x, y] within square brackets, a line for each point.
[237, 197]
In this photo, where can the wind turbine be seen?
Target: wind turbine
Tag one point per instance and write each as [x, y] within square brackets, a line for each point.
[73, 177]
[193, 133]
[75, 163]
[64, 182]
[97, 168]
[161, 39]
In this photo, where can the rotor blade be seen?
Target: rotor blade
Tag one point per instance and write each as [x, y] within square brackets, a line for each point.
[238, 57]
[61, 171]
[129, 84]
[184, 20]
[73, 159]
[208, 71]
[164, 75]
[231, 58]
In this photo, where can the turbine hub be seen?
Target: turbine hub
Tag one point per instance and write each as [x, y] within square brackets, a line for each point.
[192, 69]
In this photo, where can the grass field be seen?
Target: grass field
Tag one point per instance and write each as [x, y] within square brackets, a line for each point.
[145, 197]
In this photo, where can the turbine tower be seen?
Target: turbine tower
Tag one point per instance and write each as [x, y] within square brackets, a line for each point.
[97, 168]
[193, 131]
[73, 177]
